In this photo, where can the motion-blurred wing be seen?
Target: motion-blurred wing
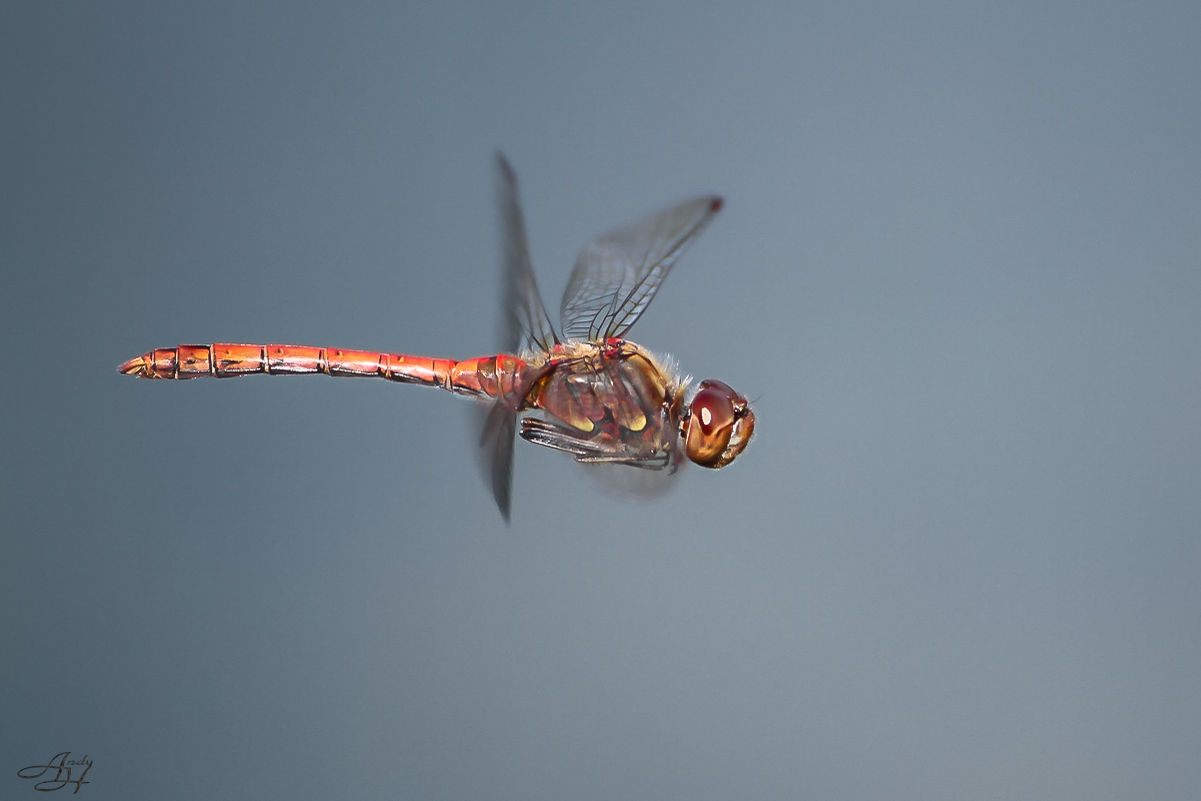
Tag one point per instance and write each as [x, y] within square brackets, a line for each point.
[617, 275]
[527, 324]
[497, 440]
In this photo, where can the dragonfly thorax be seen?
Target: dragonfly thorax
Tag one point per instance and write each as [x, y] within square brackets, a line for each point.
[610, 401]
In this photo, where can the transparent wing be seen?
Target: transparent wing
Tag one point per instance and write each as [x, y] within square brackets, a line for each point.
[499, 423]
[527, 325]
[616, 276]
[496, 439]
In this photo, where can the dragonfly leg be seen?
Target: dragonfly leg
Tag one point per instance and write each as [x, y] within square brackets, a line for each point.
[558, 437]
[562, 438]
[649, 460]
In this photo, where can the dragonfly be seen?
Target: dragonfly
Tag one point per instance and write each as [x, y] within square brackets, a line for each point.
[585, 389]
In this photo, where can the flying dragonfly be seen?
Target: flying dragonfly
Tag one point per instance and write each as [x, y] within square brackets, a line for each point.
[585, 390]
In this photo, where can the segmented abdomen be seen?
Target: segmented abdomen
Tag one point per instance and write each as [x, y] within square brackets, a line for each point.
[486, 376]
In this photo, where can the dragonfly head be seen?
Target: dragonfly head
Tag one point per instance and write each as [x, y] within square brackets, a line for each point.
[717, 424]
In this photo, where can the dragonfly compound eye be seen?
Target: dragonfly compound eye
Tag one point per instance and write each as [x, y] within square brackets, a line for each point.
[719, 425]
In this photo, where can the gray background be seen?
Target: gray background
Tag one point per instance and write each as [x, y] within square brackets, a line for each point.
[958, 270]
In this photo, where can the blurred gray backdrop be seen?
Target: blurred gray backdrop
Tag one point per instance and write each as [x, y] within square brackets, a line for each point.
[958, 271]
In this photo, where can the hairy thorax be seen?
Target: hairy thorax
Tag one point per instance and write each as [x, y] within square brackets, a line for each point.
[613, 393]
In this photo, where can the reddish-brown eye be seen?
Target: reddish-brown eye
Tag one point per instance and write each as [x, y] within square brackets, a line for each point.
[710, 424]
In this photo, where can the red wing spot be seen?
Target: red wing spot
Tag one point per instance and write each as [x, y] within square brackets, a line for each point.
[716, 205]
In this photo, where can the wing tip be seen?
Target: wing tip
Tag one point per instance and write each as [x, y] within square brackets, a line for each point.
[506, 169]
